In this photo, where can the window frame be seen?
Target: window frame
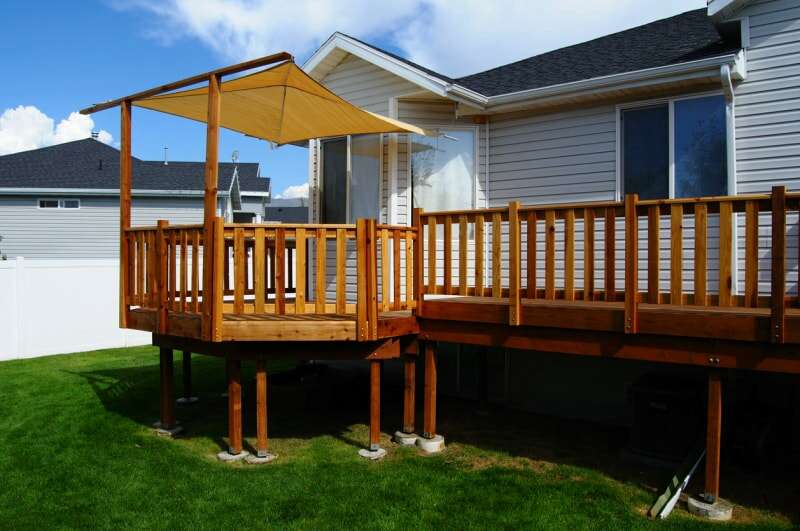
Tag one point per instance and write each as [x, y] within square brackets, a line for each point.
[670, 103]
[60, 203]
[348, 174]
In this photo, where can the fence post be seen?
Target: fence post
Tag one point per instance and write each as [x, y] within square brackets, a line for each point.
[514, 263]
[161, 277]
[631, 264]
[778, 263]
[419, 259]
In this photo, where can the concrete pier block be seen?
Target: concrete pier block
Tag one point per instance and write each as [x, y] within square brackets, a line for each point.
[405, 439]
[260, 459]
[721, 510]
[431, 446]
[227, 457]
[372, 455]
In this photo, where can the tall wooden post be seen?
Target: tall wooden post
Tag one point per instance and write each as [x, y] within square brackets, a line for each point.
[234, 406]
[210, 201]
[419, 259]
[778, 297]
[429, 406]
[631, 264]
[262, 443]
[162, 319]
[167, 420]
[713, 435]
[124, 209]
[514, 263]
[409, 393]
[374, 405]
[187, 397]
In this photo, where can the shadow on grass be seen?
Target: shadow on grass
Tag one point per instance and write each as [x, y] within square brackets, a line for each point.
[329, 402]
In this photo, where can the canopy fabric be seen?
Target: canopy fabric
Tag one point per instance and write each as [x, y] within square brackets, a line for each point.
[281, 104]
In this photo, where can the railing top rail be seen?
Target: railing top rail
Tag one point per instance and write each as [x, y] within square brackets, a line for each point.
[291, 226]
[396, 227]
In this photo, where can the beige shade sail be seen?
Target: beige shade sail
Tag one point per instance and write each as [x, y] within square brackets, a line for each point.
[281, 104]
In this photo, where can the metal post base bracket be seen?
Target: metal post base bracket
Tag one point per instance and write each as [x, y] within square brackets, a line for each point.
[227, 457]
[720, 510]
[431, 446]
[260, 459]
[372, 455]
[405, 439]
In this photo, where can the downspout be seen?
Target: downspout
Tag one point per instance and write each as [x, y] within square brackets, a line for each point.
[730, 124]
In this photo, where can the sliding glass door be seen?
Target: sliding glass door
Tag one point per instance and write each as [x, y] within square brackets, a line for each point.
[351, 176]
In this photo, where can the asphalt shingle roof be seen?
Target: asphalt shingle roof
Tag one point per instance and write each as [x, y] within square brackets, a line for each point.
[685, 37]
[91, 164]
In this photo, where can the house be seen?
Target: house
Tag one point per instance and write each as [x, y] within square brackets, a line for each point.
[703, 103]
[290, 210]
[62, 201]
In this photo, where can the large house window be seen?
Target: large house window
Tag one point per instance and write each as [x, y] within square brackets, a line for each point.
[675, 149]
[443, 170]
[351, 175]
[60, 203]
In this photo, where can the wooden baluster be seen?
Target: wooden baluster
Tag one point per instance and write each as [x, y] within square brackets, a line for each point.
[631, 264]
[184, 270]
[259, 271]
[341, 269]
[362, 285]
[385, 268]
[131, 262]
[653, 254]
[151, 270]
[462, 255]
[448, 255]
[173, 271]
[778, 292]
[514, 264]
[280, 271]
[550, 254]
[725, 253]
[432, 280]
[227, 267]
[216, 291]
[479, 255]
[196, 271]
[610, 269]
[676, 254]
[569, 255]
[531, 254]
[396, 263]
[322, 249]
[238, 271]
[409, 270]
[497, 240]
[141, 266]
[751, 255]
[588, 254]
[301, 267]
[700, 253]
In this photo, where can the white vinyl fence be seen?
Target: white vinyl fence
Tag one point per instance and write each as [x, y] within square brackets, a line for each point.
[60, 306]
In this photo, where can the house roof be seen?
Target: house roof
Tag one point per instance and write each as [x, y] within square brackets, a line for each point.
[287, 214]
[91, 164]
[689, 36]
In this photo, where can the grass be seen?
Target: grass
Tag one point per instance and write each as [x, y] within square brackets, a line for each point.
[76, 450]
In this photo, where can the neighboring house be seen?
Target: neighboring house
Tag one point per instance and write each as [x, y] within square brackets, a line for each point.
[62, 201]
[703, 103]
[293, 210]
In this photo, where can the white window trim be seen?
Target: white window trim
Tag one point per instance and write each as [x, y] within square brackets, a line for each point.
[670, 102]
[60, 201]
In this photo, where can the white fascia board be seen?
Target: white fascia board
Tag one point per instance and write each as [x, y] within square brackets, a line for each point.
[636, 78]
[720, 9]
[109, 192]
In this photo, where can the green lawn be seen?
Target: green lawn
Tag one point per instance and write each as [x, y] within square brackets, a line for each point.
[76, 450]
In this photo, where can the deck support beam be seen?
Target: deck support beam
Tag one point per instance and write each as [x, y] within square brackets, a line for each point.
[713, 436]
[429, 406]
[234, 406]
[374, 405]
[210, 202]
[262, 443]
[188, 397]
[409, 393]
[167, 417]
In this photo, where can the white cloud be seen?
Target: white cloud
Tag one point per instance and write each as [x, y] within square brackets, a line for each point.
[294, 192]
[456, 38]
[26, 127]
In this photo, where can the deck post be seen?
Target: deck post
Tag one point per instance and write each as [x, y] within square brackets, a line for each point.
[778, 297]
[234, 406]
[514, 263]
[162, 319]
[374, 405]
[631, 264]
[430, 441]
[210, 200]
[166, 422]
[713, 436]
[124, 209]
[262, 443]
[419, 259]
[409, 393]
[188, 397]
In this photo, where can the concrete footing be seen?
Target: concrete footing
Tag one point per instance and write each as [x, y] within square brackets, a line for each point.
[227, 457]
[372, 455]
[720, 510]
[186, 400]
[405, 439]
[167, 432]
[260, 459]
[431, 446]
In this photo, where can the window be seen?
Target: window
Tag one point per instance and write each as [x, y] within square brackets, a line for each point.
[675, 149]
[351, 174]
[443, 170]
[60, 203]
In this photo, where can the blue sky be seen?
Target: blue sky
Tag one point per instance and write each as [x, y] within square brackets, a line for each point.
[82, 52]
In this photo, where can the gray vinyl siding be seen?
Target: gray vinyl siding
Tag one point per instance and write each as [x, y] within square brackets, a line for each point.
[91, 232]
[253, 204]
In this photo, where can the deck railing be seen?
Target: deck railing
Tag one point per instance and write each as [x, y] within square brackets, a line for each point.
[268, 269]
[678, 252]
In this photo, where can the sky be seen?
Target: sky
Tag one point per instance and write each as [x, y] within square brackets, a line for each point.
[86, 51]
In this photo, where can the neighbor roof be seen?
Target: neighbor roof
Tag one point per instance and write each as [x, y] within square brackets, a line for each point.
[685, 37]
[91, 164]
